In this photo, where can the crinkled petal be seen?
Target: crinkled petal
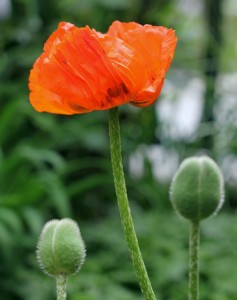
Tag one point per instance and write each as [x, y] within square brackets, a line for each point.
[77, 71]
[118, 29]
[82, 70]
[41, 97]
[156, 45]
[126, 62]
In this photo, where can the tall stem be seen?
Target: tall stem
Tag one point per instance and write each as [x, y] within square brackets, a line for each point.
[193, 261]
[61, 282]
[125, 214]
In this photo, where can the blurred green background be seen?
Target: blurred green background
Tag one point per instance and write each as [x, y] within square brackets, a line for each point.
[57, 166]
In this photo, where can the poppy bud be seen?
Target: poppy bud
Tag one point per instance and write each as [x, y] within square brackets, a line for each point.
[197, 189]
[60, 249]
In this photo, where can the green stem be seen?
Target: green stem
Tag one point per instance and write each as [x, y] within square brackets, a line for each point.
[193, 261]
[61, 282]
[125, 214]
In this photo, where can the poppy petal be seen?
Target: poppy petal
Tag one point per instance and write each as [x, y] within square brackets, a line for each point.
[82, 70]
[127, 64]
[42, 98]
[85, 78]
[154, 43]
[118, 29]
[58, 36]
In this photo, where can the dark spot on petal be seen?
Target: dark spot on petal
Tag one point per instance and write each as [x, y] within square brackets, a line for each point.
[115, 92]
[124, 88]
[108, 99]
[77, 107]
[118, 90]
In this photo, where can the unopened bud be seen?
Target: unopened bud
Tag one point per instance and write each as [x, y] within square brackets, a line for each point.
[197, 190]
[60, 249]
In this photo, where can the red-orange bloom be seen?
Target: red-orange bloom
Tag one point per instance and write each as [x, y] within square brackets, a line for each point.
[83, 70]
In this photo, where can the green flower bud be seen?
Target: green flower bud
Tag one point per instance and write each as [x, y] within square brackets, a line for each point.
[197, 190]
[60, 249]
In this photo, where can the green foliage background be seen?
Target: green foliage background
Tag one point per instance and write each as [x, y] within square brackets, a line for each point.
[57, 166]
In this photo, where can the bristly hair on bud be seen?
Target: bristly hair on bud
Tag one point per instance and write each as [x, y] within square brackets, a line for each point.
[60, 249]
[197, 189]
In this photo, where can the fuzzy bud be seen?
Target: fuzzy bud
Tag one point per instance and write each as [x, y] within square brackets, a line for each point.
[60, 249]
[197, 190]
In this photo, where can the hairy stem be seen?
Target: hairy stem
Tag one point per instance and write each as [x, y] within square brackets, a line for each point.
[125, 214]
[193, 261]
[61, 282]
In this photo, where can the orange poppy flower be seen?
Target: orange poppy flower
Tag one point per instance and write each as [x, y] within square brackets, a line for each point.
[82, 70]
